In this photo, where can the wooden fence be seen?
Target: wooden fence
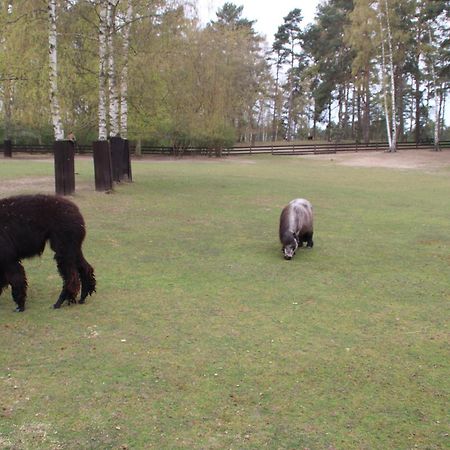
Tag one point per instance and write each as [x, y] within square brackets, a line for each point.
[283, 149]
[329, 148]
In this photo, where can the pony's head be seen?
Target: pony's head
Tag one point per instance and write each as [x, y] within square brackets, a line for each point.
[290, 245]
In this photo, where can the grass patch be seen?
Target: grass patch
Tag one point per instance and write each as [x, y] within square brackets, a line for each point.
[202, 336]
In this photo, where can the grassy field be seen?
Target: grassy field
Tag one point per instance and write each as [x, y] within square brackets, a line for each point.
[202, 337]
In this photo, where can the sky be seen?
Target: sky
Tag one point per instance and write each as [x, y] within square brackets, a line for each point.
[268, 13]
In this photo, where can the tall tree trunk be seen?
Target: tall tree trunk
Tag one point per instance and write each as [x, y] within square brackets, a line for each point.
[7, 86]
[356, 105]
[417, 93]
[340, 115]
[400, 104]
[113, 94]
[417, 99]
[366, 111]
[437, 116]
[329, 122]
[384, 87]
[443, 105]
[7, 103]
[393, 145]
[275, 104]
[290, 99]
[314, 132]
[53, 74]
[359, 124]
[102, 53]
[124, 77]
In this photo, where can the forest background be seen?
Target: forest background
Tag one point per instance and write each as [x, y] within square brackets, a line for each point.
[362, 70]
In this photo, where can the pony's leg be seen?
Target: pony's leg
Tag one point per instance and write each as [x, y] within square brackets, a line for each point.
[71, 282]
[15, 276]
[87, 277]
[309, 240]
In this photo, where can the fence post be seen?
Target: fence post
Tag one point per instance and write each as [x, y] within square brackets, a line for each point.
[7, 148]
[102, 166]
[126, 162]
[64, 156]
[117, 149]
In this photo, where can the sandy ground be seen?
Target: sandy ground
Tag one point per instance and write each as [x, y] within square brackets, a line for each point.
[425, 160]
[402, 159]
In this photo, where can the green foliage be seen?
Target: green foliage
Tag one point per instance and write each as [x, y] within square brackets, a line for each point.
[202, 336]
[229, 16]
[185, 82]
[219, 137]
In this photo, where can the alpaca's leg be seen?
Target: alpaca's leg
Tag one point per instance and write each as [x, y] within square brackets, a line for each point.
[87, 278]
[3, 282]
[64, 245]
[71, 282]
[15, 276]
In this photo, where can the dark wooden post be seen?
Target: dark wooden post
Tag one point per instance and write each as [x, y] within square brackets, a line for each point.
[117, 158]
[7, 148]
[127, 175]
[102, 166]
[64, 154]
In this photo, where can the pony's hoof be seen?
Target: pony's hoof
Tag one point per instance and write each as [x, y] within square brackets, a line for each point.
[56, 306]
[19, 309]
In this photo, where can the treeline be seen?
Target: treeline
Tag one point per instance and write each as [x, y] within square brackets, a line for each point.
[363, 70]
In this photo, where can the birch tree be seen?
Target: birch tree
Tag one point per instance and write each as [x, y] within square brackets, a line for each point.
[124, 74]
[102, 53]
[53, 75]
[6, 78]
[387, 71]
[437, 103]
[393, 144]
[382, 76]
[112, 82]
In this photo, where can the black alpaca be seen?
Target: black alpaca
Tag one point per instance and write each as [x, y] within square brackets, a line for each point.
[27, 222]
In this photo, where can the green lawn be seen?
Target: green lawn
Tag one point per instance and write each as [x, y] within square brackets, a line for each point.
[202, 337]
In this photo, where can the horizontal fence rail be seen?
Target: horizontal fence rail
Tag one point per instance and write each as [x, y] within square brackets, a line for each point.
[279, 149]
[329, 148]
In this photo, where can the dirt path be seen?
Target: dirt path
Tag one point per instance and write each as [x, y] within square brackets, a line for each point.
[426, 160]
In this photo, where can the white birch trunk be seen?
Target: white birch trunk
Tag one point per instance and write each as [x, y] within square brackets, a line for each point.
[383, 86]
[8, 89]
[113, 94]
[124, 75]
[102, 128]
[53, 73]
[393, 145]
[437, 102]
